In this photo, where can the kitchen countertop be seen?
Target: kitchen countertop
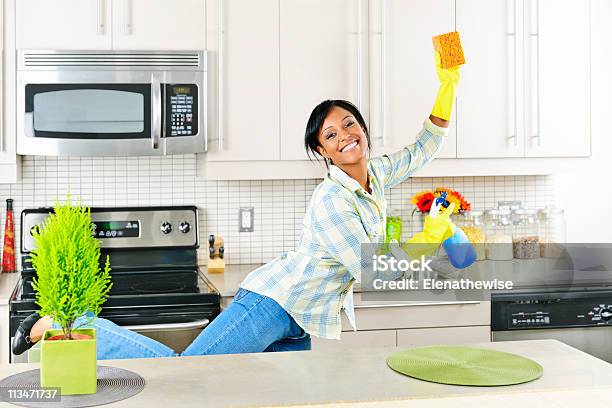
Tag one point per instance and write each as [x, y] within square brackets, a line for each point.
[523, 273]
[348, 376]
[229, 281]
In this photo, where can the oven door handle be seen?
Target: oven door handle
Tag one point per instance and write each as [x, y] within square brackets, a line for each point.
[142, 328]
[156, 122]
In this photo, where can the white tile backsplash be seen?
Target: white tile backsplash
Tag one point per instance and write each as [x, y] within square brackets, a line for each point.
[279, 205]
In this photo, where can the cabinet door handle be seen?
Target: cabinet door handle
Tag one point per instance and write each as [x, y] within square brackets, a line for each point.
[198, 324]
[100, 20]
[534, 40]
[127, 17]
[359, 37]
[383, 68]
[511, 35]
[220, 56]
[396, 305]
[381, 33]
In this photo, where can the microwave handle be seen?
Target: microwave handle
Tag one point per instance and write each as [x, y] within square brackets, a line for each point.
[28, 124]
[156, 106]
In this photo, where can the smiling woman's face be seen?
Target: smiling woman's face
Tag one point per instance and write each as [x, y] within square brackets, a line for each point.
[342, 139]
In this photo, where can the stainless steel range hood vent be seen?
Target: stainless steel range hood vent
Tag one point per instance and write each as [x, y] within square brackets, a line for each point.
[45, 59]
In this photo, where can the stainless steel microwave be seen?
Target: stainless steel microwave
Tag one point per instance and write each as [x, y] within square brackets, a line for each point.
[111, 103]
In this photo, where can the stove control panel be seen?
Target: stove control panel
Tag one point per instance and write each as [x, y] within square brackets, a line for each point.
[589, 308]
[129, 227]
[166, 227]
[185, 227]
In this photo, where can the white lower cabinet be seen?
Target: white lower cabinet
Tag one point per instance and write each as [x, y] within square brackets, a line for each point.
[443, 335]
[408, 315]
[4, 334]
[406, 337]
[412, 324]
[358, 339]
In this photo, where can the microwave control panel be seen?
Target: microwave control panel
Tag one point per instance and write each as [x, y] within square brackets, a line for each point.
[181, 110]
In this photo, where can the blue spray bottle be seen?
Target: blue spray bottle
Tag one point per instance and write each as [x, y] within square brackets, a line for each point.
[461, 253]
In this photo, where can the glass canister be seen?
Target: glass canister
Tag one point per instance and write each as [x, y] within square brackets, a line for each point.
[525, 238]
[498, 234]
[552, 231]
[473, 226]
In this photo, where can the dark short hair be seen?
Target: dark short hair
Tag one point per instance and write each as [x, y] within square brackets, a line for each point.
[317, 117]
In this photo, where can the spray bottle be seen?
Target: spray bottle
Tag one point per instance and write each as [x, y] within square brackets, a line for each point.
[461, 253]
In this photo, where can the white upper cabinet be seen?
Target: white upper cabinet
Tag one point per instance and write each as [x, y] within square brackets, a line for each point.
[159, 24]
[322, 56]
[244, 93]
[111, 24]
[403, 80]
[525, 88]
[489, 107]
[559, 78]
[10, 165]
[63, 24]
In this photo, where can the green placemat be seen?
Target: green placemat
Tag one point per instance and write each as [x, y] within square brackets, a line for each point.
[459, 365]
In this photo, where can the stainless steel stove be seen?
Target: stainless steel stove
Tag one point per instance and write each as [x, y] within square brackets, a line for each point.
[157, 289]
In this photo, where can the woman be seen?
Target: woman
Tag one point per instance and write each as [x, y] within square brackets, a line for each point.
[300, 293]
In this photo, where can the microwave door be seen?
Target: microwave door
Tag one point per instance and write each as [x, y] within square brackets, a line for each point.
[92, 119]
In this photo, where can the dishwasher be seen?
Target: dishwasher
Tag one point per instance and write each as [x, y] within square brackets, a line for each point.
[580, 317]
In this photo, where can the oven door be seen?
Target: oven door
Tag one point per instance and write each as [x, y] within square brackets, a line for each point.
[183, 328]
[175, 325]
[105, 103]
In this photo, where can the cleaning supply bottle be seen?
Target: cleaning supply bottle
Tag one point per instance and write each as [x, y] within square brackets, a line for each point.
[393, 227]
[461, 253]
[437, 205]
[8, 253]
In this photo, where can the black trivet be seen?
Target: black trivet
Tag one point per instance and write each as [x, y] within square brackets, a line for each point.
[114, 384]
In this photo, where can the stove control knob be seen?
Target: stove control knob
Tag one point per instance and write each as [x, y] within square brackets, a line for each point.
[166, 227]
[184, 227]
[605, 314]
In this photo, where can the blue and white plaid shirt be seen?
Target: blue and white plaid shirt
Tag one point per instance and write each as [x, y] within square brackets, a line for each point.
[315, 281]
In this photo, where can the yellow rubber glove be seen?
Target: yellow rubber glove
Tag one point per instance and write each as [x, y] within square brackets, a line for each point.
[435, 231]
[449, 79]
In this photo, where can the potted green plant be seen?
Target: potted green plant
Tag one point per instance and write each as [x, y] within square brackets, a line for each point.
[69, 284]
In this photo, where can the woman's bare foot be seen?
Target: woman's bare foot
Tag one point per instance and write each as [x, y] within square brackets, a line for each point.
[39, 328]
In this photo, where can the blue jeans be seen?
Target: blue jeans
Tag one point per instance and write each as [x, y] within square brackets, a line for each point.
[251, 323]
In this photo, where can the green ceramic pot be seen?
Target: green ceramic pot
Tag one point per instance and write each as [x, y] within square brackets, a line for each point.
[69, 364]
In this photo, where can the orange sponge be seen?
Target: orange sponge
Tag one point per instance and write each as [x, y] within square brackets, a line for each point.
[449, 47]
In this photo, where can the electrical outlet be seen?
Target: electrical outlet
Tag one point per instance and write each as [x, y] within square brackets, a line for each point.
[245, 219]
